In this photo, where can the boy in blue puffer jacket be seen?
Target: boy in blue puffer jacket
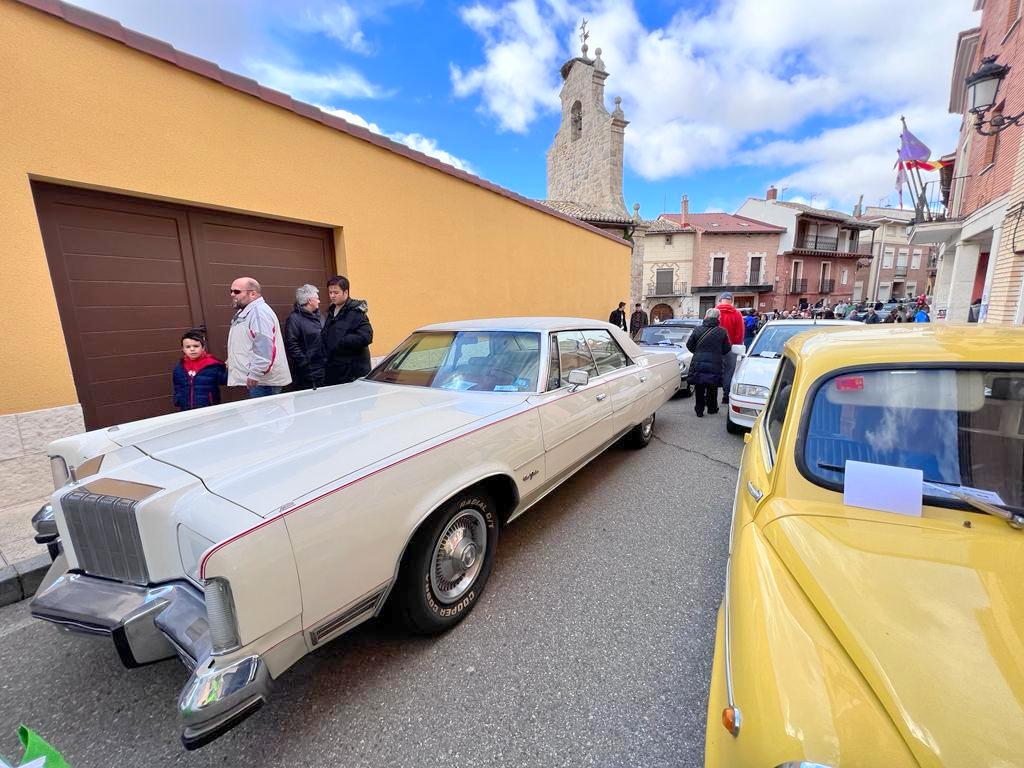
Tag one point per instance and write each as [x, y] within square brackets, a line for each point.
[198, 376]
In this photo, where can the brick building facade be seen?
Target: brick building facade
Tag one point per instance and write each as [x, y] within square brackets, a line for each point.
[977, 220]
[730, 253]
[818, 251]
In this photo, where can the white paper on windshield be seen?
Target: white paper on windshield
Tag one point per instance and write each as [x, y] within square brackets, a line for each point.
[884, 488]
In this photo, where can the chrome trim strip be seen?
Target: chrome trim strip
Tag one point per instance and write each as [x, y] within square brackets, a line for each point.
[331, 624]
[726, 621]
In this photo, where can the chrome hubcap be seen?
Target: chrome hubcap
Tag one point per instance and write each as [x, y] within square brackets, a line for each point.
[458, 556]
[647, 426]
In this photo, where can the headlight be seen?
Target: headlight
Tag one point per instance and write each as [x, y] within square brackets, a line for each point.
[190, 548]
[59, 470]
[749, 390]
[220, 615]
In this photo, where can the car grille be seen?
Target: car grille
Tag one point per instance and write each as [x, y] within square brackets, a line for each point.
[105, 536]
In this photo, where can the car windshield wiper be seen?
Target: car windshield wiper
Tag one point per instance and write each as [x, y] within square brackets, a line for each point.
[1006, 512]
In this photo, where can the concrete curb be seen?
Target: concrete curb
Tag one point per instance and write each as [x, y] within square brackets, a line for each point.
[22, 579]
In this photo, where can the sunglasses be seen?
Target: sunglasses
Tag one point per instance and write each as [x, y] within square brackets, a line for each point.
[235, 292]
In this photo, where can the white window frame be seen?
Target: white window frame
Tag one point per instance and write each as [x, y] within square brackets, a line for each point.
[901, 257]
[887, 257]
[884, 292]
[915, 259]
[843, 275]
[910, 288]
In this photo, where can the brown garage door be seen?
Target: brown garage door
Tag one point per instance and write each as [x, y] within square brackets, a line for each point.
[132, 275]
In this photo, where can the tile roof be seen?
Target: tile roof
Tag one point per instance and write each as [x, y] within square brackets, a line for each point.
[160, 49]
[588, 213]
[828, 213]
[724, 223]
[662, 225]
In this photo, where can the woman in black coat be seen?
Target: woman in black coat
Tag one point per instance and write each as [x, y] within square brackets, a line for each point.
[710, 345]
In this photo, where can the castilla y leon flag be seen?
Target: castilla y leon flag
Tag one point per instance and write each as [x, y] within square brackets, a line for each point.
[927, 165]
[911, 147]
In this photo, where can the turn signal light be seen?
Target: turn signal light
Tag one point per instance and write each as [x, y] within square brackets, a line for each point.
[731, 720]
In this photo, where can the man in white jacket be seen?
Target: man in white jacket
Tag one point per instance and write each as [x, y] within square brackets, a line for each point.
[256, 357]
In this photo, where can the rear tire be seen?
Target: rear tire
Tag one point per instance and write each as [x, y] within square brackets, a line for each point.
[642, 434]
[447, 564]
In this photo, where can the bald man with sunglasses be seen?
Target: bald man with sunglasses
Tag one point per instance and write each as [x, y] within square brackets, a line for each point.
[256, 357]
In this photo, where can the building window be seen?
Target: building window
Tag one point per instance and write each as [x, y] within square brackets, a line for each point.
[663, 281]
[756, 278]
[884, 289]
[901, 259]
[843, 276]
[718, 271]
[576, 121]
[887, 258]
[668, 239]
[915, 259]
[858, 290]
[911, 290]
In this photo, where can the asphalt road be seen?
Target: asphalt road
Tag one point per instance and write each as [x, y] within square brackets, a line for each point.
[591, 647]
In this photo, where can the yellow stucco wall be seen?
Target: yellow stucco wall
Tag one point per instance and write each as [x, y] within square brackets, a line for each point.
[420, 245]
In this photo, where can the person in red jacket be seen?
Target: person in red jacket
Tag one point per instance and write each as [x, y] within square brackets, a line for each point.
[732, 321]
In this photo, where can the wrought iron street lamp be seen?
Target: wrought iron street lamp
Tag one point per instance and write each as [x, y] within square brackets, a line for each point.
[982, 96]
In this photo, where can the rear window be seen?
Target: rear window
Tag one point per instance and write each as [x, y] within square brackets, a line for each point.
[961, 428]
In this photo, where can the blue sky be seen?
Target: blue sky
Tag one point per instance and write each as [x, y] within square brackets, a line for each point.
[724, 98]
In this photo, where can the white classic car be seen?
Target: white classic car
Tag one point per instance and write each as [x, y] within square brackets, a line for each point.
[243, 536]
[756, 371]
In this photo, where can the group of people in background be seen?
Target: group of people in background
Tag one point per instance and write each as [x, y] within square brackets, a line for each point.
[318, 350]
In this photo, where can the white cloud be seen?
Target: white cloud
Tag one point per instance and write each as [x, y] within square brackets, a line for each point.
[342, 22]
[417, 141]
[307, 85]
[709, 89]
[519, 78]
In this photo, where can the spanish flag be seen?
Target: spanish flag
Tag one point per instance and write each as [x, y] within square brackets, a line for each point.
[926, 165]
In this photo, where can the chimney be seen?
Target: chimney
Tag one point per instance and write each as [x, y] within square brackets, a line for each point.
[773, 193]
[684, 210]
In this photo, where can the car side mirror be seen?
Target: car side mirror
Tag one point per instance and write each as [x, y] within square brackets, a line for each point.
[578, 378]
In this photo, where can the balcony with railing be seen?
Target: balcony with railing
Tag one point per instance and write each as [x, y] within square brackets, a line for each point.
[757, 282]
[827, 286]
[798, 285]
[663, 289]
[818, 243]
[901, 270]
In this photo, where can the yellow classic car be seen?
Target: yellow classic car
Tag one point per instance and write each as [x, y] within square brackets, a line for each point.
[874, 600]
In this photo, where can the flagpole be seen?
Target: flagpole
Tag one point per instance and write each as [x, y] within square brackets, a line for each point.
[921, 201]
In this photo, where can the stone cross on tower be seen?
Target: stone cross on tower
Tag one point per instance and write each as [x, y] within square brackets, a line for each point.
[585, 159]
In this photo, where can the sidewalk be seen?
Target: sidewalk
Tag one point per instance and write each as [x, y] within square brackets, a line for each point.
[23, 563]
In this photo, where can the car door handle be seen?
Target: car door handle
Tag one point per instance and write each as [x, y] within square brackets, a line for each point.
[601, 397]
[643, 379]
[754, 491]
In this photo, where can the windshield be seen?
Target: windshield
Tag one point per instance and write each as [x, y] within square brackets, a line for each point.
[478, 361]
[662, 334]
[772, 338]
[964, 429]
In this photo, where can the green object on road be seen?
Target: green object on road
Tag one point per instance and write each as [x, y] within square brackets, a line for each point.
[36, 747]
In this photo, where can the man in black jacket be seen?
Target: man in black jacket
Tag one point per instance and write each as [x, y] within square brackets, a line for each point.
[618, 316]
[302, 339]
[347, 335]
[637, 321]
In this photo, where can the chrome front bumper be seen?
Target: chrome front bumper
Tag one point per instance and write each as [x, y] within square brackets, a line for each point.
[150, 624]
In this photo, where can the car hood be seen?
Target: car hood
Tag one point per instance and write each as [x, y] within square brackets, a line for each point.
[932, 615]
[266, 452]
[757, 370]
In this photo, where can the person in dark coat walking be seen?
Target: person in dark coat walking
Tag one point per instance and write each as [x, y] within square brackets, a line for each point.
[709, 345]
[198, 376]
[303, 342]
[347, 335]
[637, 321]
[618, 316]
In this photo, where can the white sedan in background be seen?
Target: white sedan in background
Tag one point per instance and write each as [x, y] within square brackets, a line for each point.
[756, 371]
[241, 537]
